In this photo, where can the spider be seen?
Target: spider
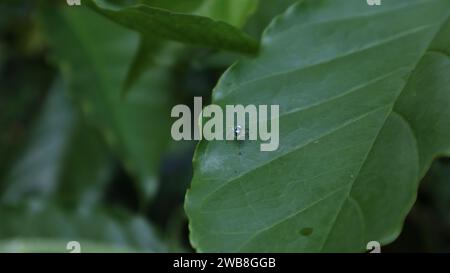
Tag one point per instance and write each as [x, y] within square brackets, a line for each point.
[239, 133]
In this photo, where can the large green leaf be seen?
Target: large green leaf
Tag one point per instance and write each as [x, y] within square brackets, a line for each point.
[95, 55]
[186, 28]
[364, 97]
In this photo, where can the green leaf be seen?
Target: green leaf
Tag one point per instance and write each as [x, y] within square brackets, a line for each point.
[182, 6]
[50, 229]
[234, 12]
[95, 55]
[264, 14]
[256, 22]
[154, 51]
[64, 159]
[152, 55]
[185, 28]
[364, 99]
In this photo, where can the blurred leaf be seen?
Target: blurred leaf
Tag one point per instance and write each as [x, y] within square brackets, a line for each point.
[95, 55]
[185, 28]
[23, 86]
[182, 6]
[153, 54]
[37, 245]
[96, 231]
[365, 106]
[234, 12]
[264, 14]
[154, 51]
[24, 77]
[64, 159]
[255, 22]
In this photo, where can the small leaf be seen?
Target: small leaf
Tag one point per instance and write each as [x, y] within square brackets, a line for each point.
[154, 51]
[185, 28]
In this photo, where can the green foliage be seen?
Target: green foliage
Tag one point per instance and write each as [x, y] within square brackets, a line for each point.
[50, 230]
[54, 191]
[233, 12]
[94, 55]
[85, 147]
[59, 142]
